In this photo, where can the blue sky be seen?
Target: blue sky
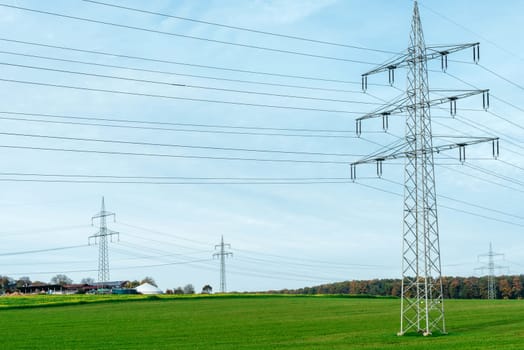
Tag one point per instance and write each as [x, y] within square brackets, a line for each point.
[282, 235]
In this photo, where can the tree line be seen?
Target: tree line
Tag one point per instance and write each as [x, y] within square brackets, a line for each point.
[506, 287]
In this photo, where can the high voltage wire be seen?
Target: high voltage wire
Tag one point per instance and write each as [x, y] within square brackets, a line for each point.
[501, 77]
[136, 69]
[46, 250]
[183, 85]
[221, 126]
[120, 92]
[124, 142]
[148, 59]
[41, 230]
[312, 261]
[169, 178]
[495, 97]
[469, 30]
[113, 268]
[447, 207]
[345, 133]
[483, 179]
[142, 29]
[179, 130]
[241, 28]
[141, 154]
[477, 168]
[467, 203]
[176, 183]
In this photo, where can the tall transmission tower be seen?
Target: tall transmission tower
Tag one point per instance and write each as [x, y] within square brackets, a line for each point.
[492, 292]
[422, 306]
[100, 238]
[222, 254]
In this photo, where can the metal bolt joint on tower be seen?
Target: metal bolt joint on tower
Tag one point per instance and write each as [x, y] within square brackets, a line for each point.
[100, 238]
[422, 306]
[492, 292]
[222, 254]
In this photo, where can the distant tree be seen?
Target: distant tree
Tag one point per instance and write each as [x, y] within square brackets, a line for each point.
[23, 282]
[88, 280]
[189, 289]
[504, 288]
[516, 287]
[178, 290]
[6, 282]
[149, 280]
[169, 291]
[132, 284]
[207, 289]
[61, 280]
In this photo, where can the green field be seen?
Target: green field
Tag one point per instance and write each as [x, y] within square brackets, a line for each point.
[247, 322]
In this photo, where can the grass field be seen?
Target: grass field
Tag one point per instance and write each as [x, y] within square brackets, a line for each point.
[243, 322]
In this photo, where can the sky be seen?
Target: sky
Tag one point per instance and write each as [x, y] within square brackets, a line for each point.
[184, 136]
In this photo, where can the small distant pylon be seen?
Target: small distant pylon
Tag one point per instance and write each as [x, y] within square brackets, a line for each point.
[492, 291]
[222, 254]
[100, 238]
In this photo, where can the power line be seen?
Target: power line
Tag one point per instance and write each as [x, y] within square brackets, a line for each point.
[178, 130]
[182, 130]
[165, 178]
[178, 145]
[43, 250]
[467, 203]
[142, 29]
[447, 207]
[221, 126]
[148, 59]
[114, 268]
[183, 85]
[176, 183]
[495, 97]
[242, 28]
[501, 77]
[470, 31]
[120, 92]
[136, 69]
[170, 155]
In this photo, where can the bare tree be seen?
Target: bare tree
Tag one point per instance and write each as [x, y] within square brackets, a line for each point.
[61, 280]
[189, 289]
[149, 280]
[88, 280]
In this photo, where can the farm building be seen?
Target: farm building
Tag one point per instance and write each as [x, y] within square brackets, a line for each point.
[146, 288]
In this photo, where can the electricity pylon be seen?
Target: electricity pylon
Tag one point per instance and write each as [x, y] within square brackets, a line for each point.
[222, 254]
[422, 306]
[491, 270]
[100, 238]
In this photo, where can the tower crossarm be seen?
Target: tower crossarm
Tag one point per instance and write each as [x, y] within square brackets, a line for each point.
[103, 214]
[107, 233]
[400, 151]
[402, 106]
[431, 53]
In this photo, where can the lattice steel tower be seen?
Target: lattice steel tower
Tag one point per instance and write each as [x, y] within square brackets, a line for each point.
[492, 291]
[222, 254]
[422, 307]
[100, 238]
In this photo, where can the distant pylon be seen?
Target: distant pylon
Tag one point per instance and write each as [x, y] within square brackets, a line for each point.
[492, 291]
[222, 254]
[100, 238]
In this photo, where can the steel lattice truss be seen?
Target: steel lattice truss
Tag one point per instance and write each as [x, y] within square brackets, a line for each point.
[100, 238]
[422, 304]
[222, 254]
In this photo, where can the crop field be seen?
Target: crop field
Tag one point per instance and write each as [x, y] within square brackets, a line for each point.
[247, 322]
